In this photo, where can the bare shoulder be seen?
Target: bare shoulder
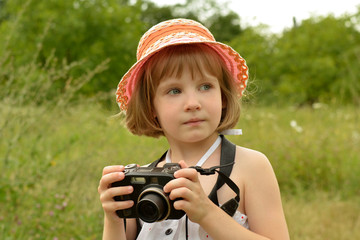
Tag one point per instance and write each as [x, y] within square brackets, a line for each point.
[261, 193]
[251, 161]
[256, 171]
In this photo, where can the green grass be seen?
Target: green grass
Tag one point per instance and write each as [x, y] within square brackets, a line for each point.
[51, 159]
[320, 152]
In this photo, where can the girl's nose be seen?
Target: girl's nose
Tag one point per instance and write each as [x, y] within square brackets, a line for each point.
[192, 103]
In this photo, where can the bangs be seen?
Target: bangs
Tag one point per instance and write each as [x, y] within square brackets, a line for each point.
[198, 58]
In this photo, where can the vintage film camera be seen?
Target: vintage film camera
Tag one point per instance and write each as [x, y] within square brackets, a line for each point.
[151, 202]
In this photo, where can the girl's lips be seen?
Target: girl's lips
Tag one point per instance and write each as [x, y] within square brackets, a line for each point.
[194, 121]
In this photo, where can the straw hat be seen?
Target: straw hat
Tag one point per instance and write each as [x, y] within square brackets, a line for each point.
[175, 32]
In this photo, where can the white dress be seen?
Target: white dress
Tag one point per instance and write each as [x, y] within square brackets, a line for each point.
[175, 229]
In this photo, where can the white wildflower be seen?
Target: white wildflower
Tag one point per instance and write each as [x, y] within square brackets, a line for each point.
[295, 126]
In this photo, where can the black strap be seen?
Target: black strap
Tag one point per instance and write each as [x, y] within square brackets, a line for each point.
[230, 206]
[227, 157]
[155, 163]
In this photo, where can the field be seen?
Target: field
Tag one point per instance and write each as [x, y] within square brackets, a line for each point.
[51, 158]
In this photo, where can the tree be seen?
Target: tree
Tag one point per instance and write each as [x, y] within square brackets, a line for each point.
[255, 45]
[76, 30]
[310, 59]
[95, 30]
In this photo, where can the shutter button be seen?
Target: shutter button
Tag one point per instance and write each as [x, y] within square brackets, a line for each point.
[168, 232]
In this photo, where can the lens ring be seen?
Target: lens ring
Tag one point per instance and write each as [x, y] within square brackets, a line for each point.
[161, 193]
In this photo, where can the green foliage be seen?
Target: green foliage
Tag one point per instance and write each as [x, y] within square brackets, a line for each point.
[256, 47]
[77, 30]
[85, 30]
[311, 62]
[314, 61]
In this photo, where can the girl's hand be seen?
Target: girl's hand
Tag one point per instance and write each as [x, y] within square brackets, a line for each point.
[187, 186]
[113, 174]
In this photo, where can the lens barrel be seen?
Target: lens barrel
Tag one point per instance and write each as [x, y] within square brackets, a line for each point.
[153, 205]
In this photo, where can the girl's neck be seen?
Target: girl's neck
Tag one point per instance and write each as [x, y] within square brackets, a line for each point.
[190, 152]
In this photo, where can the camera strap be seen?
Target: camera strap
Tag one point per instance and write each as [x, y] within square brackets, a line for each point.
[227, 158]
[230, 206]
[227, 161]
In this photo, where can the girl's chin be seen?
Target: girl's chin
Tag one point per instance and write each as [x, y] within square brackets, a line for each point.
[193, 136]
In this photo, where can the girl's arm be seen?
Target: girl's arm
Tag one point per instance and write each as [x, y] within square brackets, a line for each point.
[115, 230]
[262, 197]
[113, 225]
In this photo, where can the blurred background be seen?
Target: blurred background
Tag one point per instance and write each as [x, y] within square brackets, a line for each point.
[60, 63]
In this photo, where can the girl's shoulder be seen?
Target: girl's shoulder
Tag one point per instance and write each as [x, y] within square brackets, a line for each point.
[249, 156]
[251, 163]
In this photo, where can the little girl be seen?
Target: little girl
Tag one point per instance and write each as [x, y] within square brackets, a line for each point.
[186, 86]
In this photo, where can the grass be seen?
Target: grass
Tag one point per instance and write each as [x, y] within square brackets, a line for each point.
[309, 148]
[319, 216]
[51, 161]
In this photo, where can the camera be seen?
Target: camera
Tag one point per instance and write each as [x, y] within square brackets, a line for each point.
[152, 204]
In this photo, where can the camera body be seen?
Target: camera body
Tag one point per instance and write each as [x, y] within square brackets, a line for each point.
[151, 202]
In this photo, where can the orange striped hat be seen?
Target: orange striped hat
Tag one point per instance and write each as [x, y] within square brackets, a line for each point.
[175, 32]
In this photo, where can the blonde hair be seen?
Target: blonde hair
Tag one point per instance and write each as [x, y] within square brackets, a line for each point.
[200, 58]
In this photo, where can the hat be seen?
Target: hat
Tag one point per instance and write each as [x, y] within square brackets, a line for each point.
[176, 32]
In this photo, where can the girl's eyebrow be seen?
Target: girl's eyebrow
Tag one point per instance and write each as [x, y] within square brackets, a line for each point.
[168, 83]
[169, 80]
[208, 78]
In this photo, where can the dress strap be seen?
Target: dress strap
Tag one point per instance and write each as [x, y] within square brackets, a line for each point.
[203, 159]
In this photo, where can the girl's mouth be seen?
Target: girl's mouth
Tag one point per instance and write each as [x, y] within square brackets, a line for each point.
[194, 122]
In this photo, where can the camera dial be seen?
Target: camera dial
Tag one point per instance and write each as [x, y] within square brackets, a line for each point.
[129, 166]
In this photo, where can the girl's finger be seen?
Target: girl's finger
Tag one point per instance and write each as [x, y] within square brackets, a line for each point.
[110, 193]
[183, 164]
[120, 205]
[188, 173]
[114, 168]
[108, 179]
[183, 193]
[178, 183]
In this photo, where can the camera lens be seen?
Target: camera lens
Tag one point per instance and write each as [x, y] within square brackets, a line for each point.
[152, 206]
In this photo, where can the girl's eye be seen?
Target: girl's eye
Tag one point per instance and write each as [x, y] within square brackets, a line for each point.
[205, 87]
[174, 91]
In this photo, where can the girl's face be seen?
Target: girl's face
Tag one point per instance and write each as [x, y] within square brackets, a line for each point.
[188, 108]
